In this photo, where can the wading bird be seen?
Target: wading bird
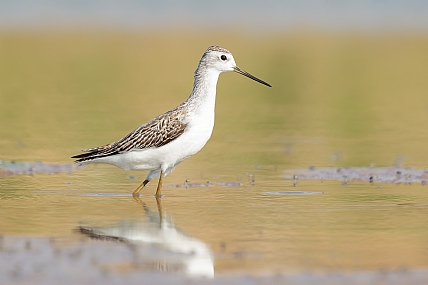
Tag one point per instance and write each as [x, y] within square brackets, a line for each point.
[162, 143]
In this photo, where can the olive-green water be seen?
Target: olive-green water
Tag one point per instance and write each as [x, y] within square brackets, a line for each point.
[344, 100]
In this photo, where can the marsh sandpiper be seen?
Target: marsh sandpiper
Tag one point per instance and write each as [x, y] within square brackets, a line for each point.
[162, 143]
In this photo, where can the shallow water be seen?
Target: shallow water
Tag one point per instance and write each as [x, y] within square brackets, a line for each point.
[336, 102]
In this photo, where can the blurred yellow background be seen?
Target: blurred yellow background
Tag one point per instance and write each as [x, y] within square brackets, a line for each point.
[364, 96]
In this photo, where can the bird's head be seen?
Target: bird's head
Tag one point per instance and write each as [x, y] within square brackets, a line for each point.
[222, 60]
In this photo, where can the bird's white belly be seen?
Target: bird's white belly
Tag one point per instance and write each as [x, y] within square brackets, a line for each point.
[167, 156]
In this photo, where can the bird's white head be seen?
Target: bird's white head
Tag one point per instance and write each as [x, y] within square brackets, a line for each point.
[222, 60]
[218, 58]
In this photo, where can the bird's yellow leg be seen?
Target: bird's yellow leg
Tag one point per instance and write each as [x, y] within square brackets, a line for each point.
[136, 198]
[158, 190]
[136, 193]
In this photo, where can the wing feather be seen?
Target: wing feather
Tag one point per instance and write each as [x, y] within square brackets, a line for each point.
[155, 133]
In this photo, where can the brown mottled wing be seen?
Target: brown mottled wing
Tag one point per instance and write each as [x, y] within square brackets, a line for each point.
[155, 133]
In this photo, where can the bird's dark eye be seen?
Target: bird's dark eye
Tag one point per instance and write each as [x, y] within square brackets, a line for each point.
[223, 57]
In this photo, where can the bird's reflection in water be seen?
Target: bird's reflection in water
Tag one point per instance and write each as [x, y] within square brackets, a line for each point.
[158, 244]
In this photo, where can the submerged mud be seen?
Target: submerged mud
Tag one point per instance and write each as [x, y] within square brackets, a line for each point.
[30, 168]
[365, 174]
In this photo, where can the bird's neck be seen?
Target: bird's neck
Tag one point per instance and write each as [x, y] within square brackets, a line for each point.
[204, 89]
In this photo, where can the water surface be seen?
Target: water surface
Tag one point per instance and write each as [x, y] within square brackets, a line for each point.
[337, 101]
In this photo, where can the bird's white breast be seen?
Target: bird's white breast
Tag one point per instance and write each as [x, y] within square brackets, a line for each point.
[200, 123]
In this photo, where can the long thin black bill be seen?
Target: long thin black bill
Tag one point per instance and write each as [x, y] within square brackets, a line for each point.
[240, 71]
